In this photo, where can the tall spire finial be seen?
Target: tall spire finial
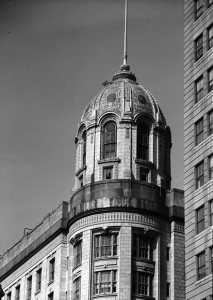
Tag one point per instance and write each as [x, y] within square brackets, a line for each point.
[125, 33]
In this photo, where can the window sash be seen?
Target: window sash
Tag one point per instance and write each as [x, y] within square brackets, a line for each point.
[199, 89]
[201, 266]
[142, 284]
[199, 175]
[107, 173]
[38, 280]
[141, 247]
[29, 287]
[211, 212]
[199, 132]
[198, 8]
[78, 254]
[210, 80]
[210, 122]
[105, 282]
[110, 140]
[200, 219]
[105, 245]
[142, 142]
[51, 270]
[198, 47]
[210, 36]
[211, 167]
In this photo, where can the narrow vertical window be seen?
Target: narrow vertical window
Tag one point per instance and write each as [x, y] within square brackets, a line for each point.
[143, 174]
[38, 280]
[201, 266]
[199, 47]
[168, 289]
[199, 132]
[168, 253]
[77, 253]
[198, 8]
[210, 167]
[210, 122]
[17, 293]
[84, 146]
[199, 174]
[198, 89]
[77, 288]
[211, 212]
[110, 140]
[142, 284]
[81, 180]
[29, 287]
[200, 219]
[210, 79]
[142, 142]
[210, 36]
[107, 173]
[211, 259]
[127, 133]
[51, 270]
[142, 247]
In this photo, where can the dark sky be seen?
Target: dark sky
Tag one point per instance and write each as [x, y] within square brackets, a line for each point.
[54, 56]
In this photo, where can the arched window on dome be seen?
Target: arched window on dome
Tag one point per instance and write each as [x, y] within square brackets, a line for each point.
[142, 142]
[109, 140]
[84, 146]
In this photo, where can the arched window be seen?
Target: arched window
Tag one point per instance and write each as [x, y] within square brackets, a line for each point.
[110, 140]
[142, 142]
[84, 145]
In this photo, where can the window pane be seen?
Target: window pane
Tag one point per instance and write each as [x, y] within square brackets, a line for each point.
[199, 175]
[198, 47]
[200, 219]
[210, 37]
[198, 8]
[201, 266]
[199, 132]
[210, 80]
[199, 89]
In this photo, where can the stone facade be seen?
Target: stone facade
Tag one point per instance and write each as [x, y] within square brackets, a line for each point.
[198, 141]
[121, 235]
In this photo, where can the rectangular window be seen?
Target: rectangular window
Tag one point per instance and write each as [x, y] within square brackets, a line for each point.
[9, 296]
[77, 288]
[210, 79]
[199, 132]
[142, 247]
[106, 245]
[105, 282]
[210, 167]
[199, 174]
[29, 287]
[198, 89]
[51, 270]
[211, 212]
[198, 8]
[17, 293]
[38, 280]
[211, 259]
[210, 122]
[210, 36]
[168, 289]
[199, 47]
[107, 173]
[201, 267]
[142, 284]
[168, 253]
[50, 296]
[200, 219]
[78, 253]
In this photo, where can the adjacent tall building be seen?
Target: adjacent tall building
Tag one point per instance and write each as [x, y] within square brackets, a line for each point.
[198, 114]
[121, 235]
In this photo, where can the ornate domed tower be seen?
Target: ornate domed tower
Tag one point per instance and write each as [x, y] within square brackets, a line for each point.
[125, 224]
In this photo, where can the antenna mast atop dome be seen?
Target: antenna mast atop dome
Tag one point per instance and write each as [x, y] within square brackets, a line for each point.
[125, 33]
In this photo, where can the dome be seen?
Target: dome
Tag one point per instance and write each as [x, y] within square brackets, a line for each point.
[123, 96]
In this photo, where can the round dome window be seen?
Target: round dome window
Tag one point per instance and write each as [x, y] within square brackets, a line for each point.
[142, 99]
[110, 127]
[111, 98]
